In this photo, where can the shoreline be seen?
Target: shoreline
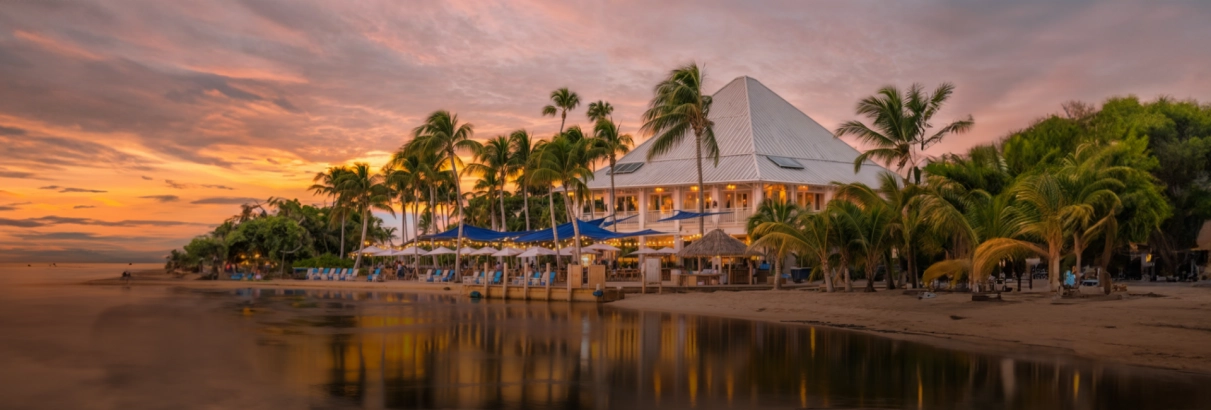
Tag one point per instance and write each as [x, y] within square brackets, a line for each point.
[1154, 325]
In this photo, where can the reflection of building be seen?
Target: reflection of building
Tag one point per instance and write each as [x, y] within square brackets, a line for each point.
[767, 149]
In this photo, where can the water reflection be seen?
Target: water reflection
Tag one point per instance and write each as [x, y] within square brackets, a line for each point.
[386, 350]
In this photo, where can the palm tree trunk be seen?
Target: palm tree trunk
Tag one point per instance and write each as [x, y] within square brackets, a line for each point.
[1077, 248]
[871, 268]
[525, 199]
[1053, 269]
[891, 283]
[554, 231]
[357, 263]
[344, 217]
[777, 273]
[416, 234]
[504, 226]
[828, 275]
[613, 198]
[912, 269]
[458, 199]
[701, 188]
[575, 228]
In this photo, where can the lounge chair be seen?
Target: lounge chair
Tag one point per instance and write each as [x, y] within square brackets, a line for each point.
[535, 278]
[336, 273]
[432, 277]
[550, 278]
[374, 276]
[476, 278]
[449, 276]
[237, 276]
[496, 277]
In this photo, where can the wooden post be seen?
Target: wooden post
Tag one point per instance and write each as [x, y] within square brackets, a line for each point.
[525, 279]
[487, 278]
[643, 275]
[548, 279]
[504, 281]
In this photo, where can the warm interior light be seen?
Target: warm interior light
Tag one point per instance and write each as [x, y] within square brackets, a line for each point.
[694, 188]
[730, 186]
[658, 190]
[802, 187]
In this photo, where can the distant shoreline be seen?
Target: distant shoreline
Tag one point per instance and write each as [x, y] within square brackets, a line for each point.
[1155, 325]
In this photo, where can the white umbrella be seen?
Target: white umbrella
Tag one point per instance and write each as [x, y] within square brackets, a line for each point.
[370, 249]
[601, 247]
[508, 252]
[487, 250]
[644, 251]
[569, 251]
[535, 252]
[411, 250]
[666, 251]
[440, 250]
[385, 252]
[467, 250]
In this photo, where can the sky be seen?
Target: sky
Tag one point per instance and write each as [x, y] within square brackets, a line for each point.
[127, 128]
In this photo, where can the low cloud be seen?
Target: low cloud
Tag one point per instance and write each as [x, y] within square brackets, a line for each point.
[52, 220]
[146, 178]
[70, 189]
[11, 131]
[223, 200]
[185, 185]
[162, 198]
[18, 174]
[13, 206]
[83, 206]
[77, 255]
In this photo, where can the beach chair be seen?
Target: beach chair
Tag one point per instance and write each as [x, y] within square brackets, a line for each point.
[535, 278]
[334, 274]
[543, 281]
[351, 275]
[475, 278]
[450, 274]
[374, 276]
[496, 277]
[237, 276]
[432, 277]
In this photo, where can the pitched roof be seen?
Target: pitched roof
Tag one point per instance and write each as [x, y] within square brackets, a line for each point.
[751, 124]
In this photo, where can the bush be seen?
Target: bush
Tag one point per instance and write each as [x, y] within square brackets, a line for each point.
[324, 261]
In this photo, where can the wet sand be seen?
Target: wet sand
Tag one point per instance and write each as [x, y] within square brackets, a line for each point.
[1158, 325]
[1161, 325]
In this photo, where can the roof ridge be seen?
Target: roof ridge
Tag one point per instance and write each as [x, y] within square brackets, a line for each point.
[748, 103]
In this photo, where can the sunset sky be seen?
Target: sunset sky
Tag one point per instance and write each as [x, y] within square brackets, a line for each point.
[128, 127]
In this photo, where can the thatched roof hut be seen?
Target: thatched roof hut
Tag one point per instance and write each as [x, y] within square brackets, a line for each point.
[714, 243]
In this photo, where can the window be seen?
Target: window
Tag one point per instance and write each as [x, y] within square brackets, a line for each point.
[626, 203]
[735, 200]
[785, 162]
[776, 192]
[661, 201]
[691, 202]
[809, 200]
[626, 168]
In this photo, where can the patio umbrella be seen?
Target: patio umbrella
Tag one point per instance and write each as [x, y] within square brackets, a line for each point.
[601, 247]
[440, 250]
[666, 251]
[644, 251]
[508, 252]
[535, 252]
[487, 250]
[569, 251]
[467, 250]
[370, 250]
[409, 251]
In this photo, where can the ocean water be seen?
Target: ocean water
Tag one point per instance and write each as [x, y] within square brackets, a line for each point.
[65, 345]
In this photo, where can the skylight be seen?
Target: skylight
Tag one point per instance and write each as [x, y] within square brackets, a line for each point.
[785, 162]
[626, 168]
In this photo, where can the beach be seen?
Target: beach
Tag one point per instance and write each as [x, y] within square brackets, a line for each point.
[1160, 325]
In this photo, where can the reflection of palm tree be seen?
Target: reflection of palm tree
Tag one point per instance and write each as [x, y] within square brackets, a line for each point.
[678, 109]
[900, 123]
[442, 134]
[562, 100]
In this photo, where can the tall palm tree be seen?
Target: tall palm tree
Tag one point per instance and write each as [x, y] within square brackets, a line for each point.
[903, 200]
[325, 183]
[612, 143]
[520, 148]
[900, 127]
[600, 110]
[563, 161]
[495, 158]
[415, 174]
[773, 212]
[365, 190]
[441, 133]
[809, 234]
[562, 100]
[678, 109]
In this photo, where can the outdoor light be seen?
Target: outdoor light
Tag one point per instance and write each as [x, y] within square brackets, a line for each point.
[694, 188]
[730, 186]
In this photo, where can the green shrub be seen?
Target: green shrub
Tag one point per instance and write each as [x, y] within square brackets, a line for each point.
[324, 261]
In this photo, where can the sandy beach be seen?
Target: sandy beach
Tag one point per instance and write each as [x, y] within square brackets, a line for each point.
[1161, 325]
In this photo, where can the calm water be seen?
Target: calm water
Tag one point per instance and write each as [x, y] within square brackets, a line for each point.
[151, 347]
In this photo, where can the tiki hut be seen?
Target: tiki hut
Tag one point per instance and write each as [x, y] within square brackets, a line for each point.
[714, 243]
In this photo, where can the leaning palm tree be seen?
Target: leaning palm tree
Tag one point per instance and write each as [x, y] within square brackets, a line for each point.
[563, 161]
[365, 190]
[611, 143]
[600, 110]
[773, 212]
[494, 157]
[678, 109]
[442, 134]
[562, 100]
[520, 148]
[900, 126]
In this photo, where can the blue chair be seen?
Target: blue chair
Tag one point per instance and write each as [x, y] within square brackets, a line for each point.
[237, 276]
[335, 272]
[374, 276]
[449, 276]
[477, 278]
[550, 278]
[434, 277]
[496, 277]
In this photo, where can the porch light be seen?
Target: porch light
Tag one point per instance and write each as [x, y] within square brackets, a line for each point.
[659, 190]
[730, 187]
[694, 188]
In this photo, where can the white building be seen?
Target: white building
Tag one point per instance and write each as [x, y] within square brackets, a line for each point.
[767, 149]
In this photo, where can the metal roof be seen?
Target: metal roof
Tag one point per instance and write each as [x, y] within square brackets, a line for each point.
[751, 123]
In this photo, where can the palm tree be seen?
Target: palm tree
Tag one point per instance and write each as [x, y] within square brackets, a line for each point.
[325, 183]
[679, 108]
[809, 234]
[608, 139]
[564, 161]
[495, 158]
[365, 190]
[600, 110]
[773, 212]
[415, 174]
[562, 100]
[901, 124]
[520, 149]
[903, 200]
[442, 134]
